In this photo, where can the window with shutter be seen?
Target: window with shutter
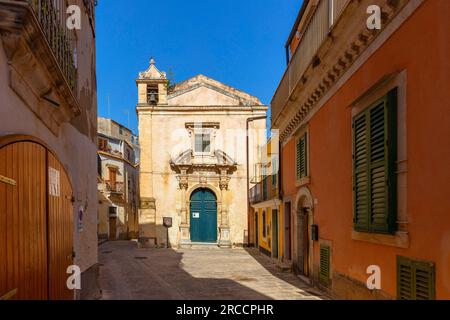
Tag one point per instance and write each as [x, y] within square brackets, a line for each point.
[301, 157]
[415, 279]
[324, 267]
[374, 161]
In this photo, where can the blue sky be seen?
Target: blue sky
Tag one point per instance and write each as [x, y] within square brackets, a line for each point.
[237, 42]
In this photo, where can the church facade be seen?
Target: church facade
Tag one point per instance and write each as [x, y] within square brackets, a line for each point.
[195, 156]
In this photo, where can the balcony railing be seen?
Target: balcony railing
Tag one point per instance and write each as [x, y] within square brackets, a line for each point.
[314, 34]
[256, 193]
[116, 187]
[51, 15]
[264, 190]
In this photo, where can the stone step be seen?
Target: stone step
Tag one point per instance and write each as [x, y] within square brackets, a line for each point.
[284, 267]
[203, 245]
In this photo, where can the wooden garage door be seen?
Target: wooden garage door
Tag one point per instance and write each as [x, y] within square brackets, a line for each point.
[35, 227]
[60, 231]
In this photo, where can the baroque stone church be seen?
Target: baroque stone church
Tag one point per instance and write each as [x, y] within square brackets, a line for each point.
[196, 160]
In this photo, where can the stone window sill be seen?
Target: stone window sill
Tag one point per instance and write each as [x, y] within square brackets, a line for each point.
[303, 181]
[399, 240]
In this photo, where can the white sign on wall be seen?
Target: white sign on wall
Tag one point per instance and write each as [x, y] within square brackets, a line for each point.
[53, 182]
[195, 215]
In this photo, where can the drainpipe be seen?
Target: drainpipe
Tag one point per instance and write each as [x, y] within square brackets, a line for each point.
[248, 172]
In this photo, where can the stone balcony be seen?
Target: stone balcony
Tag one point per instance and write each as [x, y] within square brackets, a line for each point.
[331, 40]
[41, 53]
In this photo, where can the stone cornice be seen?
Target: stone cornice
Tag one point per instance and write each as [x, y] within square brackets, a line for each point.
[347, 40]
[190, 109]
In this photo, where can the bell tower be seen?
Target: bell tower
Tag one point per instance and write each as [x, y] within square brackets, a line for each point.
[152, 92]
[152, 87]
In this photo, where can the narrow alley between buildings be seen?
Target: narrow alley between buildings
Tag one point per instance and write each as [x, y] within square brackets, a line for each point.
[127, 272]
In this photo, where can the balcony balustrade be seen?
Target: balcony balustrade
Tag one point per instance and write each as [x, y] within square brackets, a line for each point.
[264, 190]
[115, 187]
[313, 35]
[52, 15]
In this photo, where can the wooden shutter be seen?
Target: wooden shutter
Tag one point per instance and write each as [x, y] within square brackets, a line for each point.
[301, 157]
[415, 279]
[324, 268]
[360, 176]
[374, 162]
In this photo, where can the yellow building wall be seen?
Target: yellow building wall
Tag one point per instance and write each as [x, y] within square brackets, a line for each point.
[265, 243]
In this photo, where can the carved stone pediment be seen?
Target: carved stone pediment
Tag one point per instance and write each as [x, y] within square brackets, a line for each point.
[152, 73]
[199, 90]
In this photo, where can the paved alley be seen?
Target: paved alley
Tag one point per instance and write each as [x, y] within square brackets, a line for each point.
[127, 272]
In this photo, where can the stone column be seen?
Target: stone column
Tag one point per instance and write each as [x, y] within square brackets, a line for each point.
[185, 240]
[224, 240]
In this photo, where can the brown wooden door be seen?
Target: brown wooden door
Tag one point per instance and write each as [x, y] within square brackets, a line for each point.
[287, 230]
[306, 238]
[112, 228]
[35, 230]
[60, 235]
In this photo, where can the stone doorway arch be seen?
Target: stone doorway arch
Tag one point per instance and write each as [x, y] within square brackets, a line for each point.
[304, 219]
[203, 216]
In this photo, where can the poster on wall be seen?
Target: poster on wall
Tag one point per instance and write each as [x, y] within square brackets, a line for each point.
[53, 182]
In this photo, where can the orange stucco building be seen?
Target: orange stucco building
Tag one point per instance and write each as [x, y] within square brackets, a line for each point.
[364, 120]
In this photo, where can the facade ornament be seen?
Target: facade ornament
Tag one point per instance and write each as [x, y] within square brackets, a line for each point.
[183, 180]
[223, 182]
[184, 184]
[224, 179]
[152, 73]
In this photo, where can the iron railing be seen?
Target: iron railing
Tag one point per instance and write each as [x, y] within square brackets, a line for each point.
[256, 193]
[265, 190]
[51, 15]
[116, 187]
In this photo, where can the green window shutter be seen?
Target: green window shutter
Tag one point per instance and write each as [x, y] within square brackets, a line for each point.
[404, 279]
[374, 166]
[301, 157]
[378, 206]
[415, 280]
[360, 176]
[324, 267]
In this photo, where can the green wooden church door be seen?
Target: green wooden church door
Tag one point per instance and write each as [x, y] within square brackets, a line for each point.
[203, 216]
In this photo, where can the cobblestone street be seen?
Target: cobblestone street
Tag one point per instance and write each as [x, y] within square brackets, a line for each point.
[127, 272]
